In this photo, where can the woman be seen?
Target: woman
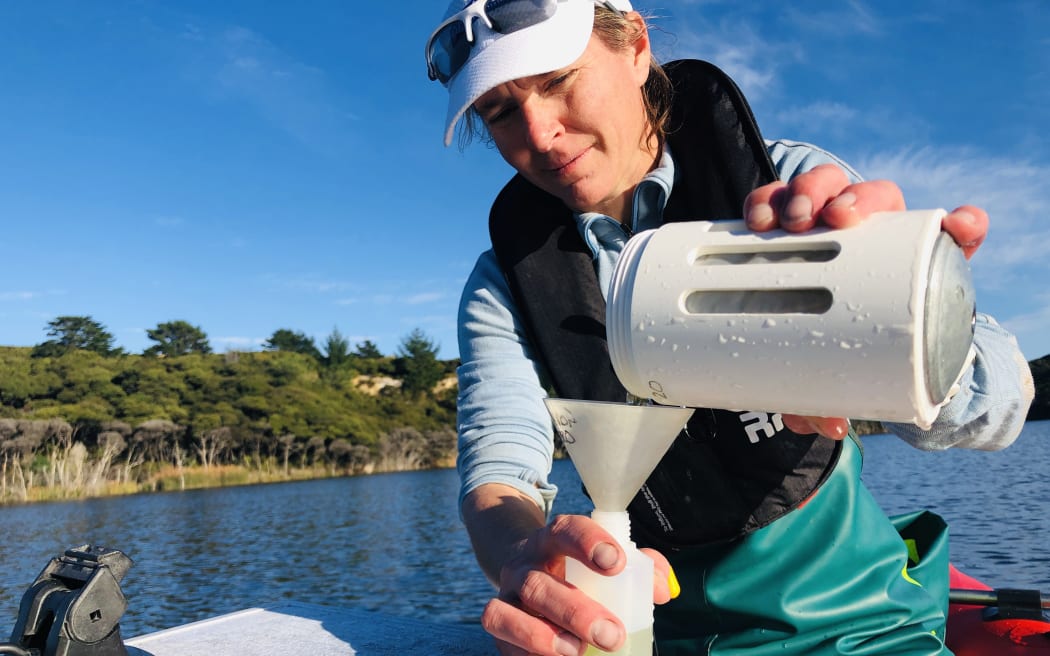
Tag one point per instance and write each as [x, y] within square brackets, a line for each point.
[607, 143]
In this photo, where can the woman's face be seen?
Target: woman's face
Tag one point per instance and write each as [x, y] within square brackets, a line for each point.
[578, 133]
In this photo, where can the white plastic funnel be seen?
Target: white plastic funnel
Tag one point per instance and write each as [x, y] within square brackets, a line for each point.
[615, 446]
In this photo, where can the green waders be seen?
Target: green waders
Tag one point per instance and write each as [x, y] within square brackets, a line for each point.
[828, 578]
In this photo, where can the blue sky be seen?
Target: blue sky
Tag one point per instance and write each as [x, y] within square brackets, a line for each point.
[249, 166]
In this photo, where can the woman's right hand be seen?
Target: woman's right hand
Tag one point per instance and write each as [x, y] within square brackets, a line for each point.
[536, 611]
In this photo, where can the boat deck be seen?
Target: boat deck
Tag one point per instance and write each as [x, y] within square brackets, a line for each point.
[316, 630]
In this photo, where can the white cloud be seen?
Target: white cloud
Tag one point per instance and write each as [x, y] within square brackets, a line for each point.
[1012, 267]
[835, 119]
[835, 122]
[826, 111]
[839, 19]
[17, 296]
[421, 298]
[1011, 190]
[375, 299]
[1030, 327]
[191, 32]
[1029, 324]
[312, 283]
[291, 95]
[743, 45]
[738, 48]
[425, 297]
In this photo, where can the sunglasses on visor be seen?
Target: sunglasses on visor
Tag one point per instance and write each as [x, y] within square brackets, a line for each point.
[449, 46]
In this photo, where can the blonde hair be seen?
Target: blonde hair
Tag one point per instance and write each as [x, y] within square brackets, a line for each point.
[617, 33]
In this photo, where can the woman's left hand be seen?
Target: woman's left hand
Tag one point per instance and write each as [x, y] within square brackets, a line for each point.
[824, 196]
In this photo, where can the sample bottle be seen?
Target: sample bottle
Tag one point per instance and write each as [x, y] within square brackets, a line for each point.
[629, 594]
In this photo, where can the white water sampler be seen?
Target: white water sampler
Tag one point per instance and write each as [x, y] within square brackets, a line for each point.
[869, 322]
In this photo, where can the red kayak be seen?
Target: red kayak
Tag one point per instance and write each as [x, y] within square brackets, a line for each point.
[987, 622]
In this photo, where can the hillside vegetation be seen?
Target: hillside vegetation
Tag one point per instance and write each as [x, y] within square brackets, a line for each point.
[79, 422]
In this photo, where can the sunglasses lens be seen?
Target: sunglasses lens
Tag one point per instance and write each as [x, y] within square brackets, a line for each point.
[449, 51]
[512, 15]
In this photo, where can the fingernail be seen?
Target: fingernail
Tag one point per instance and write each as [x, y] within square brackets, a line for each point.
[672, 583]
[799, 209]
[605, 555]
[605, 635]
[760, 216]
[835, 430]
[567, 644]
[963, 215]
[847, 200]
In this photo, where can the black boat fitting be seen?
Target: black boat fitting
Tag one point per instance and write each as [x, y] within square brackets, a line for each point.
[74, 606]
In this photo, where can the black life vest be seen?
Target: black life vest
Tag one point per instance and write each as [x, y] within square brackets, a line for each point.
[726, 474]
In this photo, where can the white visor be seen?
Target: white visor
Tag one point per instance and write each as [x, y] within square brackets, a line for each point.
[496, 58]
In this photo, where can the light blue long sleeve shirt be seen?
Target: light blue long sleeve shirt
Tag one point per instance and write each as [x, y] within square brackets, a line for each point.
[505, 432]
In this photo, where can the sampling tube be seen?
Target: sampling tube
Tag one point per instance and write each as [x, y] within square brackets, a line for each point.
[870, 322]
[629, 594]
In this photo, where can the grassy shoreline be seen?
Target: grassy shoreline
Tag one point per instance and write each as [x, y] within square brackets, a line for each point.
[70, 483]
[196, 477]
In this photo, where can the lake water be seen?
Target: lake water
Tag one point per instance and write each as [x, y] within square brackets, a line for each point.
[394, 542]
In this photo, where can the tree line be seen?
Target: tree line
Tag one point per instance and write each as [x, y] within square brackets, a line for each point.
[81, 417]
[1041, 376]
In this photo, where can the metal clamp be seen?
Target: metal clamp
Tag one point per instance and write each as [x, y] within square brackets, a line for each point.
[75, 605]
